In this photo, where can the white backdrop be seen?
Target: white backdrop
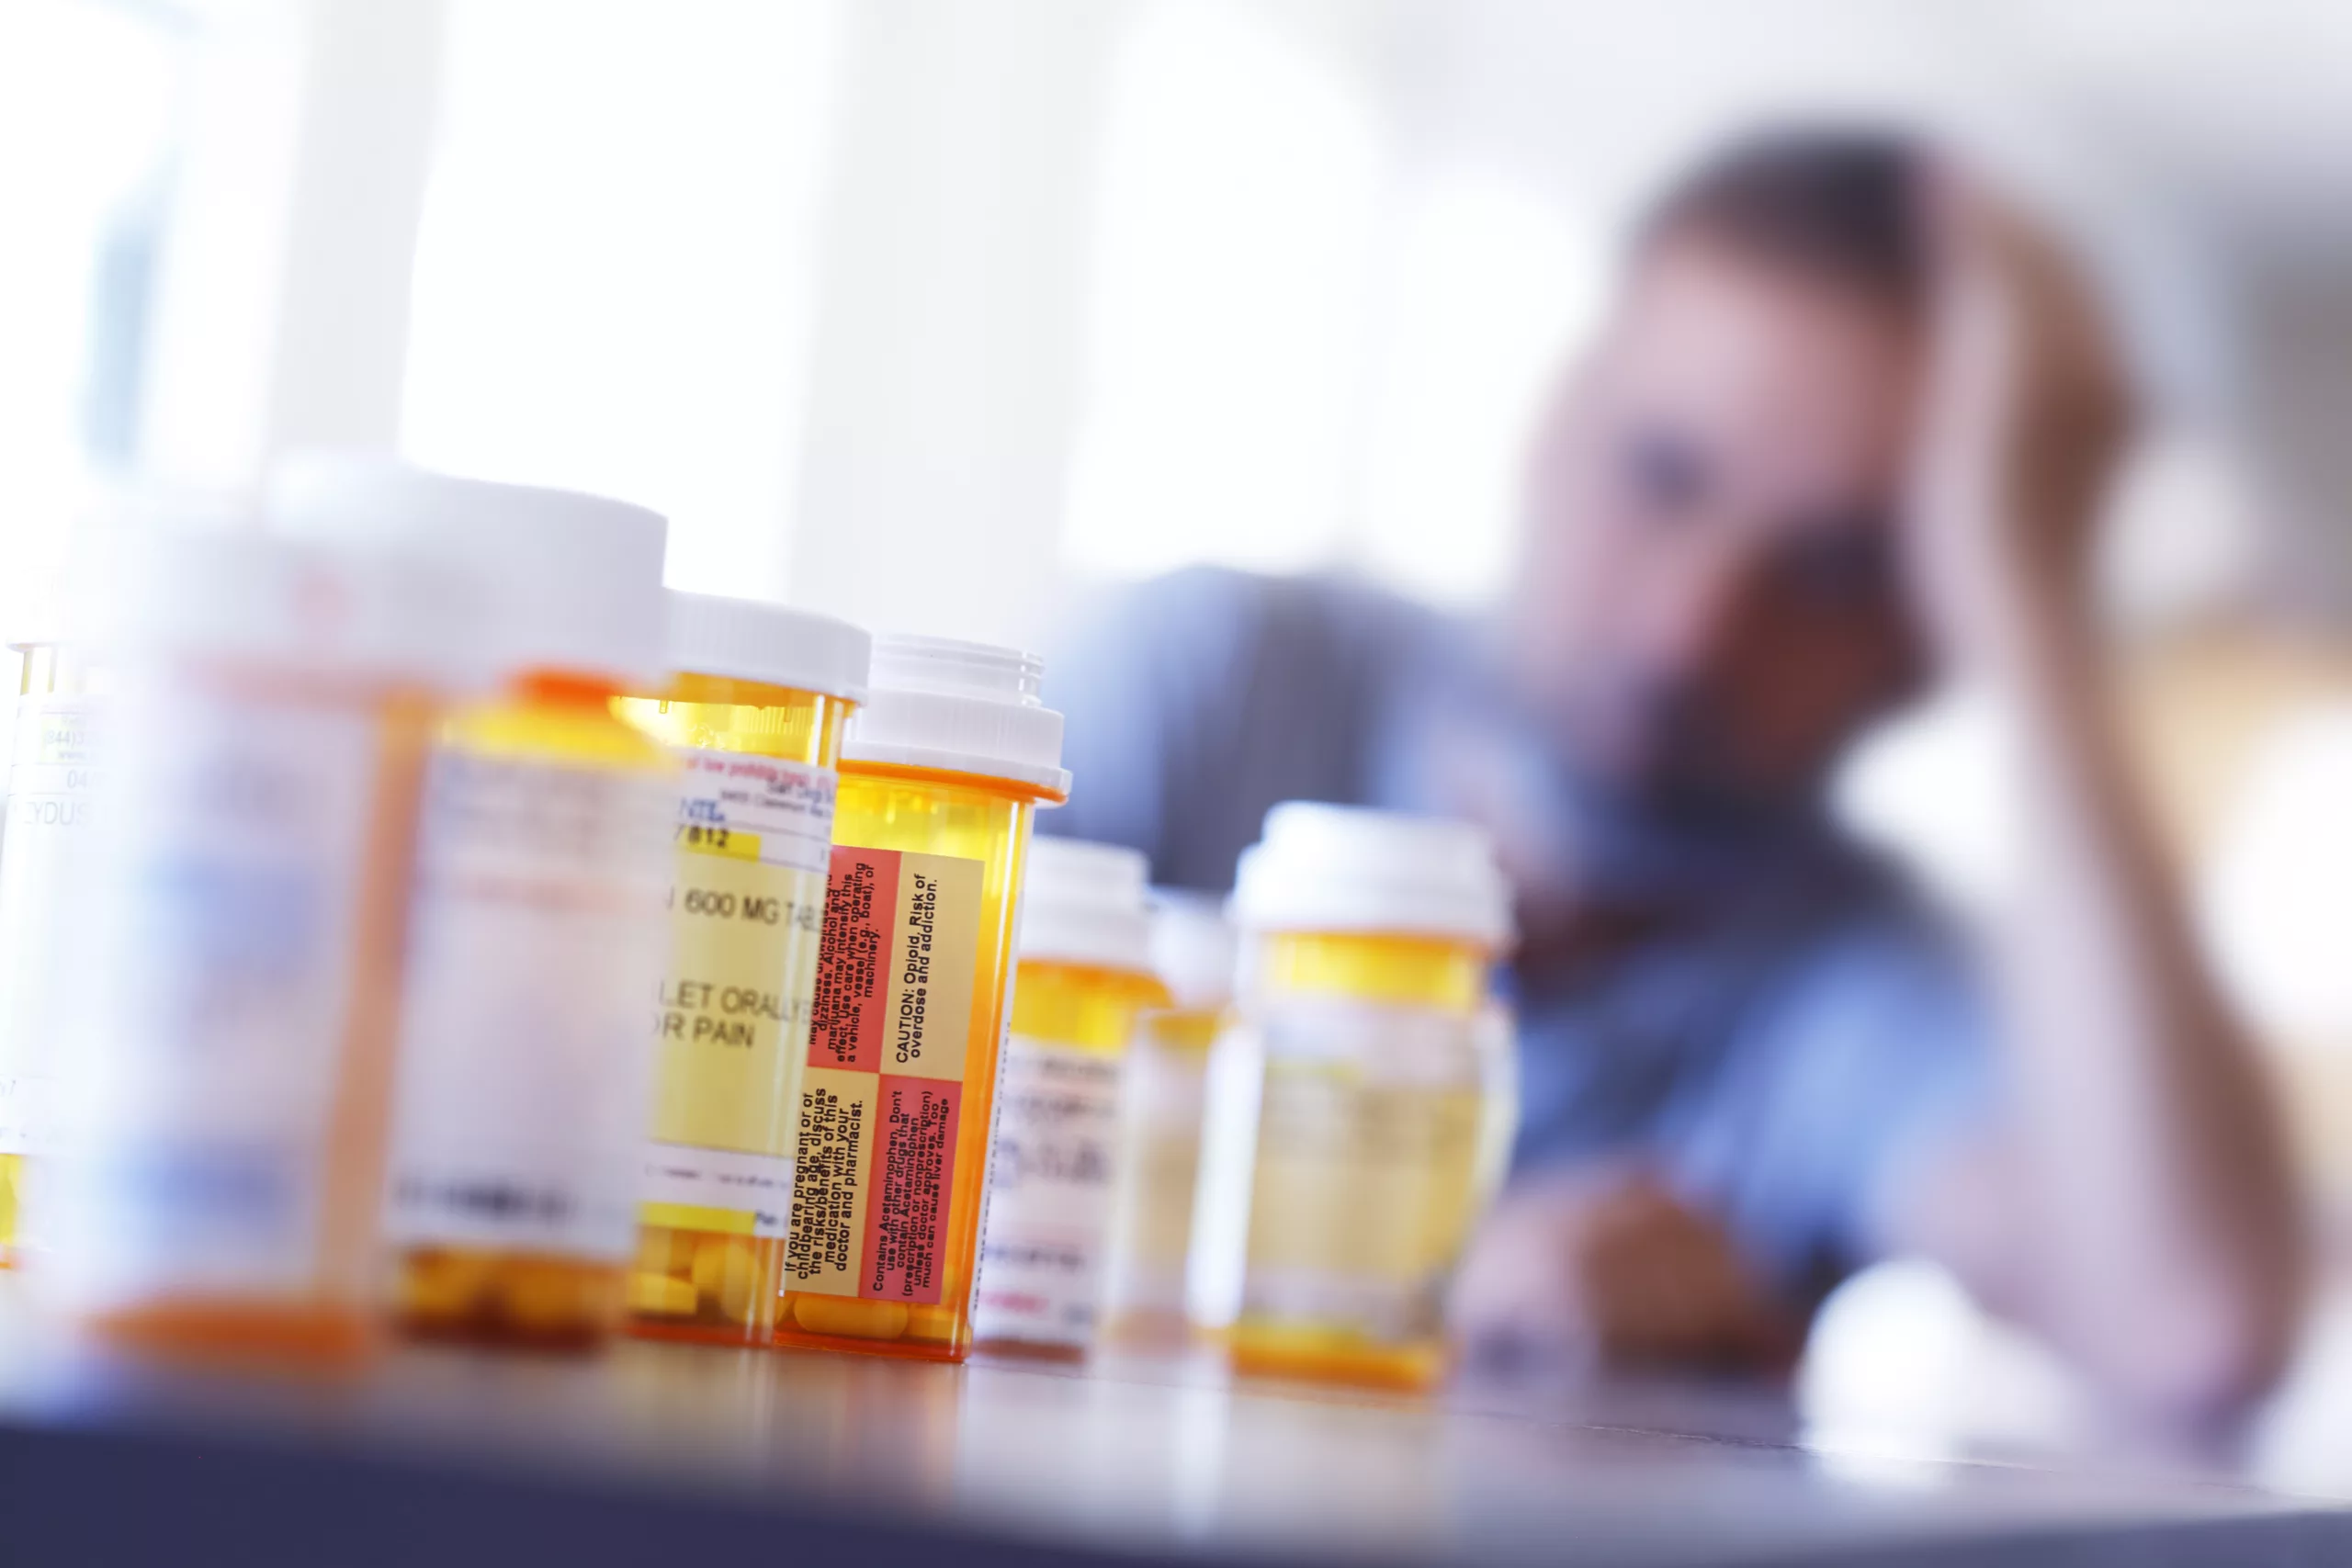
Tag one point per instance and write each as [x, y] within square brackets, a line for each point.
[919, 309]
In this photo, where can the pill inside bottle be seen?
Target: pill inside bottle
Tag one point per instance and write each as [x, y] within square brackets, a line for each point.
[1147, 1291]
[942, 773]
[755, 717]
[537, 933]
[1381, 1066]
[1082, 988]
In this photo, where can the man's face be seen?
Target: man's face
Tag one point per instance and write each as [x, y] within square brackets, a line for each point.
[1712, 602]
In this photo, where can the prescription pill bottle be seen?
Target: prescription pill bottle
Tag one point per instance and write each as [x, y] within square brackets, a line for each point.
[537, 934]
[1082, 986]
[1367, 942]
[1160, 1140]
[50, 779]
[228, 1008]
[755, 717]
[941, 772]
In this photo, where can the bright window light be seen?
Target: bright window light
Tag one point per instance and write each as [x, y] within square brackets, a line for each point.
[1231, 276]
[1487, 286]
[612, 276]
[88, 99]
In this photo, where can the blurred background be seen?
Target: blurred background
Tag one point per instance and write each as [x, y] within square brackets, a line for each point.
[930, 314]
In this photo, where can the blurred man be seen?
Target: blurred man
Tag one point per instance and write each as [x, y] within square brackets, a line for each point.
[1849, 420]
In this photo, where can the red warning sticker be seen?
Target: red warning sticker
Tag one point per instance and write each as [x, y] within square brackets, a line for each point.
[891, 1029]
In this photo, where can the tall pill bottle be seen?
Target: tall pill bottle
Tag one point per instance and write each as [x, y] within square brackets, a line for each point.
[233, 964]
[537, 933]
[941, 772]
[1368, 940]
[754, 715]
[1160, 1140]
[1081, 990]
[51, 776]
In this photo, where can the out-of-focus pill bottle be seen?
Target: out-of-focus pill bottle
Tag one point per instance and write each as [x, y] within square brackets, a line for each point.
[1082, 985]
[538, 934]
[754, 715]
[1160, 1140]
[229, 1014]
[941, 772]
[1368, 939]
[50, 779]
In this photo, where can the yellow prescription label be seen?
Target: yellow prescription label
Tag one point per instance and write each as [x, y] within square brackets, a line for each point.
[746, 906]
[737, 844]
[882, 1098]
[1367, 1175]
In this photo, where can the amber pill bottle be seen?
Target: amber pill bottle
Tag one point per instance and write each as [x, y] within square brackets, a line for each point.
[942, 773]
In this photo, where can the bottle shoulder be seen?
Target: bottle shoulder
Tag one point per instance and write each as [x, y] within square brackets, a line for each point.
[570, 733]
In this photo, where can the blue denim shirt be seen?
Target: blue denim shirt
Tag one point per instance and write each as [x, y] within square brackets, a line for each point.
[1797, 1029]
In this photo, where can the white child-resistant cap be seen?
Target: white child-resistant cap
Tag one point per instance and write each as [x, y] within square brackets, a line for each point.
[33, 604]
[1342, 868]
[961, 707]
[1084, 904]
[1193, 948]
[747, 639]
[32, 611]
[312, 606]
[573, 583]
[53, 588]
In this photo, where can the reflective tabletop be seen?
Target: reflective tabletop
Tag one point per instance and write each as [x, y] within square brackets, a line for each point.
[663, 1453]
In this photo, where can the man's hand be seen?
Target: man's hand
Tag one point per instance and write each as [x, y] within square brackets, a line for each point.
[2027, 417]
[2135, 1203]
[1611, 1267]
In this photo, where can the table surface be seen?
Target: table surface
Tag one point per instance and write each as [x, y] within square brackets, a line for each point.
[659, 1453]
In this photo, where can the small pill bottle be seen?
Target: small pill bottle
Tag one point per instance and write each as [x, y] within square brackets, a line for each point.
[755, 717]
[537, 933]
[50, 781]
[941, 772]
[228, 1013]
[1368, 940]
[1160, 1140]
[1082, 985]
